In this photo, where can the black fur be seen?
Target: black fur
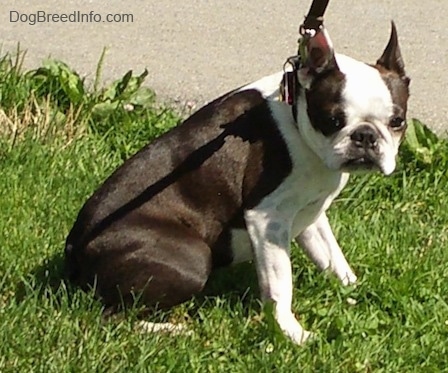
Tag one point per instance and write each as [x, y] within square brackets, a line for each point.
[160, 224]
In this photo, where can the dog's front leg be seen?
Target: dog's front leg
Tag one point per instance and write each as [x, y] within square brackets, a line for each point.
[270, 236]
[321, 246]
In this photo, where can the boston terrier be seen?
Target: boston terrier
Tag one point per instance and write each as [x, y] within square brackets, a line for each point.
[238, 181]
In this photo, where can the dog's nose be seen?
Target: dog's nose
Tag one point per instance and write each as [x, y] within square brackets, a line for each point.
[365, 137]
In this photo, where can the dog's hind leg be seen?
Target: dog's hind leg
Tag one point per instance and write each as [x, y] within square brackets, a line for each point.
[158, 268]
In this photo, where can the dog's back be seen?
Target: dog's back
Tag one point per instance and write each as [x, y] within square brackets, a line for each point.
[168, 211]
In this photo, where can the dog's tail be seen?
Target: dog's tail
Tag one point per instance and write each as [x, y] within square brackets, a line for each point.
[72, 264]
[71, 267]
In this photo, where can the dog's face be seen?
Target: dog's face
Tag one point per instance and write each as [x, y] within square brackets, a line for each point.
[351, 114]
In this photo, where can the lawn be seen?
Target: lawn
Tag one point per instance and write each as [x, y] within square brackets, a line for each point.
[59, 139]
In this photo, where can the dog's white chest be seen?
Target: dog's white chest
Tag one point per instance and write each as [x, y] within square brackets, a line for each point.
[310, 195]
[302, 200]
[309, 213]
[302, 196]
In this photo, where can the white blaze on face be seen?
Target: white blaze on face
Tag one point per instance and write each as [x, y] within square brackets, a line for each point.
[366, 94]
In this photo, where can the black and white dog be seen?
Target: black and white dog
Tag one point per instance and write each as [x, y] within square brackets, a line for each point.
[237, 181]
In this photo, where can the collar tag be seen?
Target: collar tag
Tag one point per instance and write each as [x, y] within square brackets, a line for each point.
[289, 83]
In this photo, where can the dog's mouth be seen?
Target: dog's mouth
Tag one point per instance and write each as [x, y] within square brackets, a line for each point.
[364, 163]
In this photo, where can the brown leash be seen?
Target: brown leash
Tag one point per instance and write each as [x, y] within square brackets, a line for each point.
[314, 19]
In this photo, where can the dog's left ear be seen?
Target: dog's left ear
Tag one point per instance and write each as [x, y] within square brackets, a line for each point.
[391, 58]
[317, 55]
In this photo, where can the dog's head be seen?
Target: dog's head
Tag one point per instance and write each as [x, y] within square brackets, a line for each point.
[351, 114]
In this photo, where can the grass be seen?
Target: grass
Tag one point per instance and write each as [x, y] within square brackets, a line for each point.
[59, 140]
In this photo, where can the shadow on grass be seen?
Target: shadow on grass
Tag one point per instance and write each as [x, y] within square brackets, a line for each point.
[45, 279]
[235, 284]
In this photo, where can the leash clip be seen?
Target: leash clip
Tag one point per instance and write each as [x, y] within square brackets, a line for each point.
[311, 26]
[308, 30]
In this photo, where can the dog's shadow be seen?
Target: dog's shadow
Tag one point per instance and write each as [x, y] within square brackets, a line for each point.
[235, 284]
[45, 279]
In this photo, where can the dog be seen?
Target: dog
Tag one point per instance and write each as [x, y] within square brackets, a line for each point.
[238, 181]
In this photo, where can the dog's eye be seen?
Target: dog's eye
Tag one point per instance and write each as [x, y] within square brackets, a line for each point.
[335, 122]
[397, 123]
[332, 124]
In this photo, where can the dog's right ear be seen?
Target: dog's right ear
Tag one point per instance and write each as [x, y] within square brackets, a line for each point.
[391, 58]
[317, 56]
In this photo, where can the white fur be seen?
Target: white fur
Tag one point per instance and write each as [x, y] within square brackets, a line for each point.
[297, 207]
[163, 328]
[321, 246]
[241, 246]
[268, 86]
[366, 100]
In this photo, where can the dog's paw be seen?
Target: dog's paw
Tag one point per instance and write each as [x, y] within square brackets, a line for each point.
[348, 278]
[342, 270]
[292, 329]
[302, 337]
[165, 328]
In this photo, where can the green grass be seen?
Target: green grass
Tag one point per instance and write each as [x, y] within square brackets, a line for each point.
[57, 145]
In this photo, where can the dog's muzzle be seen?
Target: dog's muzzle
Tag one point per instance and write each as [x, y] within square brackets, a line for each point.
[365, 137]
[364, 152]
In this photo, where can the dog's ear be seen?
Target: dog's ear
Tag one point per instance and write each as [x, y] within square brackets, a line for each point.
[391, 58]
[317, 57]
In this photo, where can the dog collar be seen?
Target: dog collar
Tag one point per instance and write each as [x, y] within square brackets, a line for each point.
[290, 85]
